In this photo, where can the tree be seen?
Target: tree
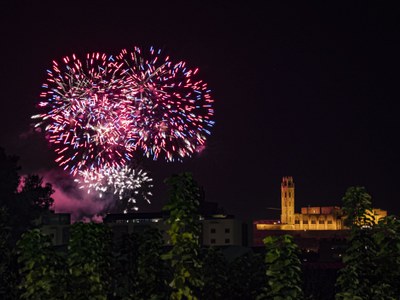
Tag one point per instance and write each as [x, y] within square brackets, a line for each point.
[357, 207]
[356, 278]
[125, 266]
[215, 274]
[152, 271]
[41, 268]
[30, 203]
[372, 258]
[8, 272]
[37, 194]
[25, 205]
[246, 276]
[184, 234]
[387, 239]
[89, 257]
[283, 269]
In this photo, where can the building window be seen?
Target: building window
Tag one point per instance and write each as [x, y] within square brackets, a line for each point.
[321, 221]
[212, 241]
[227, 241]
[329, 221]
[290, 195]
[227, 230]
[296, 221]
[305, 222]
[313, 222]
[213, 230]
[285, 195]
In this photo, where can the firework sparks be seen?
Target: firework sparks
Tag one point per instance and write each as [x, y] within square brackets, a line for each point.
[127, 184]
[84, 115]
[170, 109]
[98, 113]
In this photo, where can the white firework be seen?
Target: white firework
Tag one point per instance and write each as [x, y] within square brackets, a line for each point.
[127, 184]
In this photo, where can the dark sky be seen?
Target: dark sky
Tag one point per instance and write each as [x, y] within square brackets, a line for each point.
[308, 90]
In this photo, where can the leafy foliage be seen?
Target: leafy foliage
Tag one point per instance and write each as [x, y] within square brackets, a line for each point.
[319, 282]
[125, 265]
[37, 195]
[356, 279]
[215, 274]
[89, 257]
[387, 238]
[8, 270]
[283, 269]
[372, 269]
[41, 267]
[184, 233]
[357, 206]
[24, 206]
[246, 277]
[152, 271]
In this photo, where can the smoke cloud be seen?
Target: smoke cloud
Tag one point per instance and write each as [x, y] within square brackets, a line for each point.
[68, 198]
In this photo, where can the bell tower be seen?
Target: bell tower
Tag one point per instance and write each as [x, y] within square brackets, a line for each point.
[287, 197]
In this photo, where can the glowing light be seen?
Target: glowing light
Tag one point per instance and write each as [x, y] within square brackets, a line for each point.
[170, 109]
[98, 112]
[84, 113]
[127, 184]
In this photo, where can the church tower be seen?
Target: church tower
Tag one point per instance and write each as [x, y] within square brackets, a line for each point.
[287, 197]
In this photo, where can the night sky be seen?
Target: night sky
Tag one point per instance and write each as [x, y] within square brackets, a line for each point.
[309, 91]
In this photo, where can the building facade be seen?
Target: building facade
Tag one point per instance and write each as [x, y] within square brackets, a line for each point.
[222, 230]
[312, 218]
[216, 230]
[56, 226]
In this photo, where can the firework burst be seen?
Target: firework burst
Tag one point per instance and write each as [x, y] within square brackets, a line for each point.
[170, 110]
[127, 184]
[96, 113]
[84, 114]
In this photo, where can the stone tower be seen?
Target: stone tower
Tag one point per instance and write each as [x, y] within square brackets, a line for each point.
[287, 196]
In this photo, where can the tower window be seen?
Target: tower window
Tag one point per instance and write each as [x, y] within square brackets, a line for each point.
[297, 222]
[329, 221]
[313, 222]
[305, 221]
[321, 221]
[290, 195]
[285, 194]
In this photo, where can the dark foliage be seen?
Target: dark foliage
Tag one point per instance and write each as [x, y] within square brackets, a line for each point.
[216, 284]
[184, 232]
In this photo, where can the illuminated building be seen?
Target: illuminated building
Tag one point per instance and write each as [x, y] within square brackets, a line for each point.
[324, 219]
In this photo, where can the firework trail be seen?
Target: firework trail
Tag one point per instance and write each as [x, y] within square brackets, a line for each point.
[127, 184]
[98, 112]
[170, 110]
[84, 114]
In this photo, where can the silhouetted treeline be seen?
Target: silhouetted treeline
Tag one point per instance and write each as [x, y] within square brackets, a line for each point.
[140, 266]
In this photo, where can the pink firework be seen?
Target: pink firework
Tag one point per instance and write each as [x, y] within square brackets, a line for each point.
[85, 114]
[169, 108]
